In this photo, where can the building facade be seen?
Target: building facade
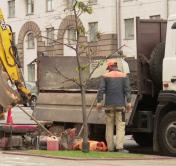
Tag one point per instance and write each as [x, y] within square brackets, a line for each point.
[145, 9]
[47, 26]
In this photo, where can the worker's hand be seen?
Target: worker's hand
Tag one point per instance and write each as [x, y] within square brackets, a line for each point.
[129, 107]
[99, 106]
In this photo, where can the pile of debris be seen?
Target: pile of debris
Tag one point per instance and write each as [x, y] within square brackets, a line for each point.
[38, 136]
[33, 139]
[67, 140]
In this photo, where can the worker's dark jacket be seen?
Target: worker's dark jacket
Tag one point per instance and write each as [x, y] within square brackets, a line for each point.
[116, 87]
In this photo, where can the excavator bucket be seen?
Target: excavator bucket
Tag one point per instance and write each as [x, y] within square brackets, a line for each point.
[8, 95]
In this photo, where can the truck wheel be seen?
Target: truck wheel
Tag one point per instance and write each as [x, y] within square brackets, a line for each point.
[143, 139]
[33, 102]
[167, 134]
[156, 63]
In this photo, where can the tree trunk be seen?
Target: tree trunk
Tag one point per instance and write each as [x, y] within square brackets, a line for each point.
[85, 145]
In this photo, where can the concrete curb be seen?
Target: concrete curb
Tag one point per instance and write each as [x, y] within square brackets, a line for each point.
[146, 157]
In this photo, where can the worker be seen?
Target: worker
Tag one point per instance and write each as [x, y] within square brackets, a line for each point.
[116, 87]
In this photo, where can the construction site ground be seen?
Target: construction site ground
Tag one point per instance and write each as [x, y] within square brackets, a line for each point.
[147, 153]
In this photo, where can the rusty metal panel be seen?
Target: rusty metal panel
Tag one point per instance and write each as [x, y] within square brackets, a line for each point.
[149, 34]
[67, 107]
[51, 72]
[67, 98]
[71, 114]
[54, 72]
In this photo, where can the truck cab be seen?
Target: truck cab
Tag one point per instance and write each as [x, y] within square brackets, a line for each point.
[169, 61]
[165, 116]
[153, 121]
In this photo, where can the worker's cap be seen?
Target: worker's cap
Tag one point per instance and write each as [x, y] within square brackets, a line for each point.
[111, 62]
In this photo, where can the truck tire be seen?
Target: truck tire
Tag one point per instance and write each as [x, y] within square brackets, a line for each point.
[167, 134]
[143, 139]
[156, 64]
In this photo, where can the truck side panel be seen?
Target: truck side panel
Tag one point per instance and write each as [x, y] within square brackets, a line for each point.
[149, 34]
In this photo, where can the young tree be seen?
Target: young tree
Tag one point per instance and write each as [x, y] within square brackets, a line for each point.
[78, 9]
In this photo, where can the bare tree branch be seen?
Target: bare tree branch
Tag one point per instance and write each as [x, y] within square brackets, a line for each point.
[67, 78]
[56, 41]
[99, 64]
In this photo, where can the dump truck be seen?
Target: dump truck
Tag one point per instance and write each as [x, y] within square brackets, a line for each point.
[153, 78]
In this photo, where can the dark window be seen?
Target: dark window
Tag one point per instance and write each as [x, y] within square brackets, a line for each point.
[11, 8]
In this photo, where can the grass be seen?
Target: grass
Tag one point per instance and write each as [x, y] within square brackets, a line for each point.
[79, 154]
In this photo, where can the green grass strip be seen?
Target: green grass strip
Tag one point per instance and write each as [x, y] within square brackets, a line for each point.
[79, 154]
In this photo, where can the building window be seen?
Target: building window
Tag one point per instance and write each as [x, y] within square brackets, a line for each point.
[72, 35]
[14, 38]
[93, 31]
[49, 5]
[30, 6]
[11, 8]
[155, 17]
[31, 72]
[30, 41]
[50, 36]
[92, 2]
[70, 3]
[129, 28]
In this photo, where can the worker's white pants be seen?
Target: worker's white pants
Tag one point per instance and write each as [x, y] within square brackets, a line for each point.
[114, 118]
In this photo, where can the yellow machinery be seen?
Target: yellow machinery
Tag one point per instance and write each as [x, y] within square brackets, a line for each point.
[12, 85]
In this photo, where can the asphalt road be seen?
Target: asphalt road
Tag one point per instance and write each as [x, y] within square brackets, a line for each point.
[15, 160]
[19, 117]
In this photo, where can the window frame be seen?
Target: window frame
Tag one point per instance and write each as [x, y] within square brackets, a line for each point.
[69, 3]
[49, 41]
[14, 38]
[31, 69]
[11, 6]
[29, 5]
[30, 40]
[129, 35]
[95, 39]
[93, 2]
[71, 38]
[51, 6]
